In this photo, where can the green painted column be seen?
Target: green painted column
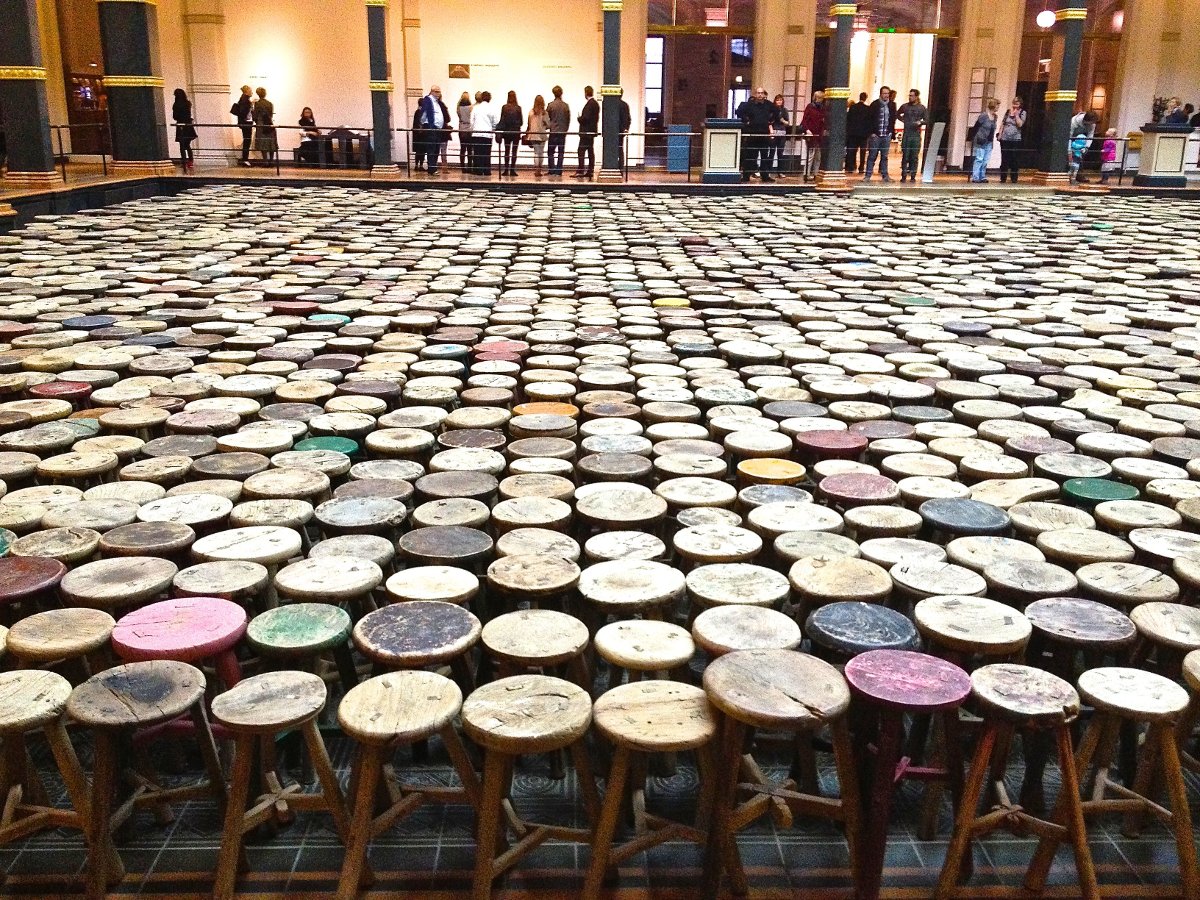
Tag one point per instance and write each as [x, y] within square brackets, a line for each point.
[26, 117]
[1069, 21]
[837, 95]
[136, 115]
[610, 94]
[381, 84]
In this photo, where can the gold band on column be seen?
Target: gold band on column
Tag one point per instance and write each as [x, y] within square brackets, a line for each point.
[610, 90]
[843, 9]
[838, 93]
[611, 5]
[381, 86]
[147, 2]
[1071, 12]
[1061, 96]
[22, 73]
[382, 3]
[131, 81]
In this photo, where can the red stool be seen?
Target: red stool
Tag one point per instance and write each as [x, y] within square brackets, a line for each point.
[184, 629]
[30, 579]
[892, 683]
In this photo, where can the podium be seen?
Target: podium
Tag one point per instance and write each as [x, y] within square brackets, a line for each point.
[722, 151]
[1161, 162]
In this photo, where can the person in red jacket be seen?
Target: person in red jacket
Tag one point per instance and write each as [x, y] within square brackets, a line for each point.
[813, 123]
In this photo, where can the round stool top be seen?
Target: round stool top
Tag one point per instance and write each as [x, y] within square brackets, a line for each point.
[1126, 584]
[644, 645]
[378, 550]
[535, 637]
[655, 716]
[537, 575]
[329, 578]
[139, 693]
[1133, 694]
[415, 634]
[624, 586]
[449, 544]
[59, 634]
[925, 578]
[717, 543]
[796, 545]
[619, 507]
[298, 629]
[24, 576]
[232, 580]
[907, 680]
[405, 706]
[611, 545]
[970, 624]
[852, 627]
[1080, 547]
[1024, 695]
[741, 584]
[1169, 624]
[445, 583]
[1191, 670]
[185, 629]
[964, 517]
[30, 698]
[125, 581]
[820, 579]
[189, 509]
[534, 541]
[270, 702]
[854, 489]
[264, 544]
[724, 629]
[1080, 622]
[780, 689]
[527, 714]
[1029, 580]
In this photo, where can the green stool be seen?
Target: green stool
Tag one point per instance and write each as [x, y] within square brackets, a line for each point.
[1087, 492]
[6, 540]
[297, 634]
[345, 445]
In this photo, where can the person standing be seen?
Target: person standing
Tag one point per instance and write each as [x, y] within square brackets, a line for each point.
[1175, 113]
[537, 129]
[883, 126]
[858, 130]
[625, 122]
[435, 127]
[1108, 155]
[243, 112]
[265, 141]
[1011, 127]
[912, 116]
[589, 125]
[559, 115]
[508, 130]
[185, 129]
[463, 111]
[758, 114]
[778, 136]
[813, 123]
[483, 126]
[981, 142]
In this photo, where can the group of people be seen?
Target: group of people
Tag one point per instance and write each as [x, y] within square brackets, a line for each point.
[870, 128]
[480, 125]
[255, 116]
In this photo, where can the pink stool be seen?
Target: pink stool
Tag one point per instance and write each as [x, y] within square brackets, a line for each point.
[184, 629]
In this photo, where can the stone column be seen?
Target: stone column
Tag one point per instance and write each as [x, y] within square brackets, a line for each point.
[610, 94]
[136, 116]
[1060, 102]
[837, 94]
[381, 84]
[208, 72]
[23, 98]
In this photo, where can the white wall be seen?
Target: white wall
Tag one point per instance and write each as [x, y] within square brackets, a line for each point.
[989, 37]
[1159, 58]
[898, 61]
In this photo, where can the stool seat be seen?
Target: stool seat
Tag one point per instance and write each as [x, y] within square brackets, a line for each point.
[717, 543]
[852, 627]
[907, 680]
[926, 578]
[724, 629]
[970, 624]
[780, 689]
[264, 544]
[299, 629]
[25, 576]
[1191, 670]
[1171, 624]
[1025, 580]
[185, 629]
[644, 645]
[626, 586]
[125, 581]
[820, 580]
[446, 583]
[59, 634]
[231, 579]
[1080, 622]
[31, 698]
[737, 584]
[147, 539]
[610, 545]
[1024, 695]
[533, 574]
[655, 716]
[541, 637]
[415, 634]
[962, 517]
[1126, 584]
[138, 693]
[406, 706]
[527, 714]
[1132, 694]
[334, 579]
[270, 702]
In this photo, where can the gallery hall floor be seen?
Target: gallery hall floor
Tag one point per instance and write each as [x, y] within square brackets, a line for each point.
[877, 478]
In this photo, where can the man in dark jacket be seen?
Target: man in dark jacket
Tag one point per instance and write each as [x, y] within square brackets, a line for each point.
[243, 111]
[589, 125]
[858, 129]
[434, 124]
[813, 123]
[758, 114]
[883, 127]
[626, 123]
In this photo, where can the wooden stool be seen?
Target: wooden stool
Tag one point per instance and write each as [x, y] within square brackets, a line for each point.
[267, 545]
[419, 634]
[818, 580]
[536, 578]
[445, 583]
[343, 579]
[610, 545]
[894, 683]
[625, 588]
[184, 629]
[724, 629]
[645, 718]
[1009, 697]
[735, 584]
[643, 648]
[60, 635]
[449, 545]
[299, 633]
[838, 632]
[524, 714]
[537, 640]
[1169, 631]
[963, 628]
[118, 583]
[781, 690]
[114, 703]
[255, 711]
[397, 708]
[30, 582]
[241, 582]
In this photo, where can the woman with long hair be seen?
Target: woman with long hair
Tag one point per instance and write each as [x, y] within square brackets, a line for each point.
[537, 130]
[464, 131]
[508, 130]
[185, 129]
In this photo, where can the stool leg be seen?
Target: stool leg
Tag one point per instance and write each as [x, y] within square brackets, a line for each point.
[1076, 826]
[77, 790]
[327, 777]
[104, 776]
[883, 786]
[721, 853]
[1148, 770]
[960, 840]
[462, 764]
[235, 811]
[587, 782]
[208, 751]
[488, 835]
[606, 828]
[851, 797]
[228, 669]
[345, 666]
[367, 769]
[1181, 820]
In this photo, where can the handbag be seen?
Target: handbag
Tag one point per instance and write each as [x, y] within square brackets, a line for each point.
[525, 142]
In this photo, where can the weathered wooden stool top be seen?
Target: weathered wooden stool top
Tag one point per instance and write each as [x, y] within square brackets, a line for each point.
[1029, 580]
[1126, 584]
[612, 545]
[535, 637]
[232, 580]
[527, 714]
[1080, 622]
[655, 716]
[1080, 547]
[741, 584]
[405, 706]
[852, 627]
[831, 579]
[135, 694]
[446, 583]
[448, 544]
[724, 629]
[1024, 695]
[1169, 624]
[780, 689]
[891, 551]
[796, 545]
[625, 586]
[717, 544]
[1133, 694]
[30, 698]
[298, 629]
[270, 702]
[264, 544]
[644, 645]
[926, 579]
[907, 680]
[22, 577]
[964, 518]
[337, 578]
[971, 624]
[59, 634]
[120, 582]
[416, 634]
[534, 575]
[186, 629]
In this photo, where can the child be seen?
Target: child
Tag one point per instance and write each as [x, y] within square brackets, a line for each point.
[1108, 155]
[1078, 145]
